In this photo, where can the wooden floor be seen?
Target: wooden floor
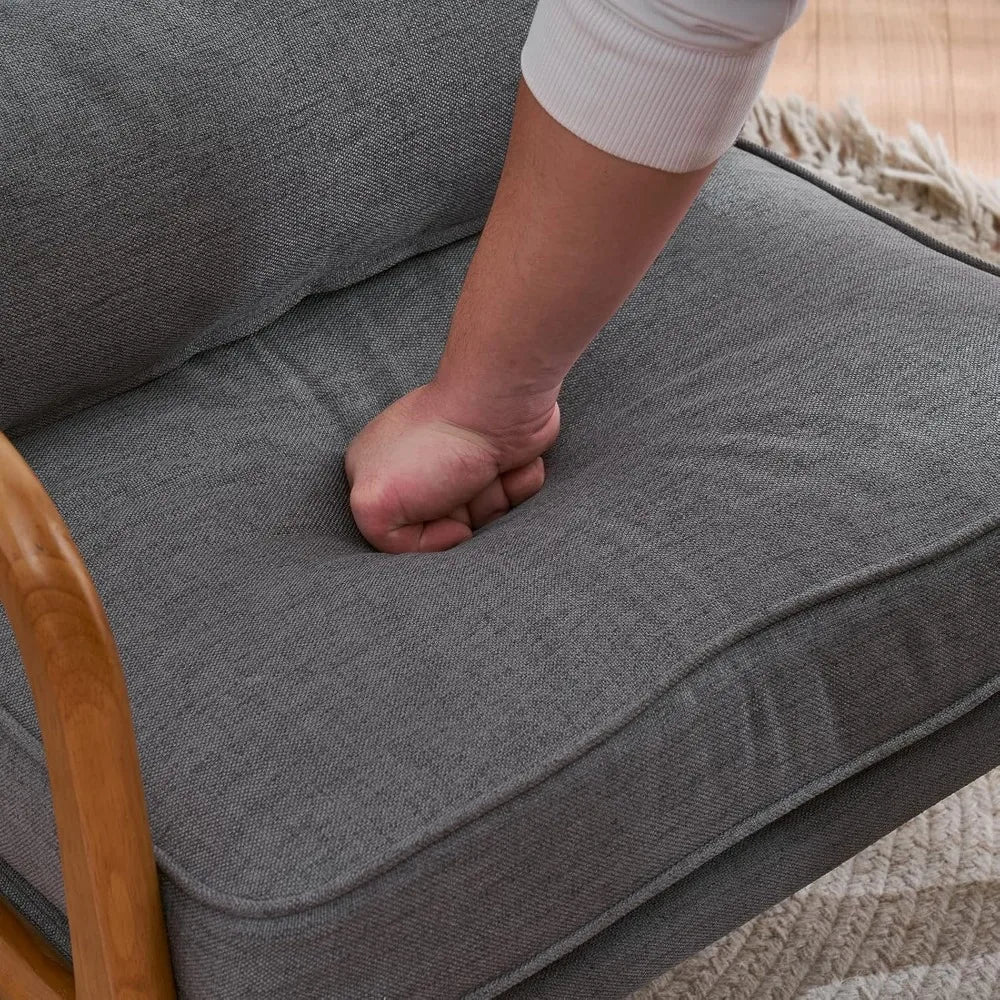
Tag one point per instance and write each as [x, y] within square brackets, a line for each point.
[932, 61]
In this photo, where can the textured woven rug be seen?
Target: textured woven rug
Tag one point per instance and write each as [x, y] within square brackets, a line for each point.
[917, 914]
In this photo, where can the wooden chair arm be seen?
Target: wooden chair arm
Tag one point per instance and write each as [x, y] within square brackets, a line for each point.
[116, 924]
[31, 968]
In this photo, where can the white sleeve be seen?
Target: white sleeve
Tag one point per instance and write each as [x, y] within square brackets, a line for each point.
[666, 83]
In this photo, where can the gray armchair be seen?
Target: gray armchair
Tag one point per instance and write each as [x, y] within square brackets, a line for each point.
[747, 627]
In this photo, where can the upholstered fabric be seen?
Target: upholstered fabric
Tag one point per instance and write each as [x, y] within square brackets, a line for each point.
[722, 891]
[766, 558]
[174, 176]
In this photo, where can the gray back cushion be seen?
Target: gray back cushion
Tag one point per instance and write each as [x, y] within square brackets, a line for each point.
[176, 176]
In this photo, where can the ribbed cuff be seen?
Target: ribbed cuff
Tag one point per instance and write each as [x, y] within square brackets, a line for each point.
[634, 93]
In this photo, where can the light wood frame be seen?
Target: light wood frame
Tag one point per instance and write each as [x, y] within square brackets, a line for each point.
[117, 931]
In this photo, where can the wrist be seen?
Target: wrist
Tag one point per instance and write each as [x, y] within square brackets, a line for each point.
[517, 426]
[493, 402]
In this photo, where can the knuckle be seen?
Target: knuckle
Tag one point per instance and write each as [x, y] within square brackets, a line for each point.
[369, 502]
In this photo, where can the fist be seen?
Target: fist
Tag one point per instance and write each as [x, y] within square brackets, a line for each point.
[424, 476]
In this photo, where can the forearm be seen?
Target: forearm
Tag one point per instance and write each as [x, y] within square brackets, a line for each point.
[622, 110]
[571, 232]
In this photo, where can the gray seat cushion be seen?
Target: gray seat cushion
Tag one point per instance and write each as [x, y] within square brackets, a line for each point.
[724, 890]
[766, 558]
[179, 177]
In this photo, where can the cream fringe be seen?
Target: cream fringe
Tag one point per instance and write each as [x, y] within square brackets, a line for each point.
[913, 179]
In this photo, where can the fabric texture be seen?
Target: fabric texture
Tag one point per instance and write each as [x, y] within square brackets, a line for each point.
[756, 873]
[665, 83]
[765, 559]
[915, 178]
[672, 929]
[180, 175]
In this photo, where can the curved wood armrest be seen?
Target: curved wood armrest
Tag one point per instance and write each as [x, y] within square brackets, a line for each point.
[32, 969]
[117, 930]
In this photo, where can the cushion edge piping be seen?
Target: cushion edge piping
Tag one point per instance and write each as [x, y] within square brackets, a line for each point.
[876, 212]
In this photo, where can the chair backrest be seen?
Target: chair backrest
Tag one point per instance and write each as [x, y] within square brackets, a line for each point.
[172, 179]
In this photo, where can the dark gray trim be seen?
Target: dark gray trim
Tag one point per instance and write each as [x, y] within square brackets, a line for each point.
[794, 167]
[771, 864]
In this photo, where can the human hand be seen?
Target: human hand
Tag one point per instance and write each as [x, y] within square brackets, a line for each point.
[429, 469]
